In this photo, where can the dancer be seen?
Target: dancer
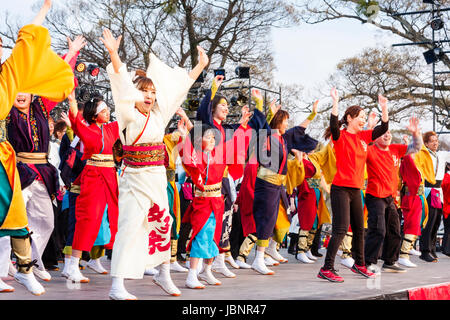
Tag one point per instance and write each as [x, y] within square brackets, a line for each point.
[205, 164]
[144, 107]
[431, 164]
[213, 111]
[272, 158]
[350, 146]
[383, 162]
[98, 179]
[25, 71]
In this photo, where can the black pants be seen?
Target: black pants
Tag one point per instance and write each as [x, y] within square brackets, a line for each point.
[446, 237]
[347, 208]
[383, 230]
[427, 240]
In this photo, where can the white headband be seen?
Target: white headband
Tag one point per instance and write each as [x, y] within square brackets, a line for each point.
[102, 106]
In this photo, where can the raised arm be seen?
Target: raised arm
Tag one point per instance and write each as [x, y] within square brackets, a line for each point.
[203, 61]
[112, 45]
[334, 118]
[381, 129]
[40, 17]
[417, 140]
[311, 116]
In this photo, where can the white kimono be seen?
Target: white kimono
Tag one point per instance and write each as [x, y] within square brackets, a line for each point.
[141, 243]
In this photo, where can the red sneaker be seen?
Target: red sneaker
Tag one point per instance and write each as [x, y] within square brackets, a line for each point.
[329, 275]
[363, 270]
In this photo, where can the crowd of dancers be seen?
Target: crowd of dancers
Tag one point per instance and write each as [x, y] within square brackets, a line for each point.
[205, 194]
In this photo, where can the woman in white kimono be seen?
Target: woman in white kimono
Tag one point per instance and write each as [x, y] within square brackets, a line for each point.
[144, 106]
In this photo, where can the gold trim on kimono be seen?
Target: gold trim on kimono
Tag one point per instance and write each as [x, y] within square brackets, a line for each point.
[170, 173]
[3, 136]
[32, 157]
[270, 176]
[420, 191]
[313, 183]
[211, 191]
[101, 160]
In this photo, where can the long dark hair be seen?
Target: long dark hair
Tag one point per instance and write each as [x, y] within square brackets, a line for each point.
[352, 111]
[90, 110]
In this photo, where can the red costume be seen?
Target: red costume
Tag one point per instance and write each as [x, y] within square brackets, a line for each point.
[411, 203]
[98, 183]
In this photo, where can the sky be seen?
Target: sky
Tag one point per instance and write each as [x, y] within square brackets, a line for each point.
[306, 55]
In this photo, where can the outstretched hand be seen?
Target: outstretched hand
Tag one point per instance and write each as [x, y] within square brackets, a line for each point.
[315, 106]
[111, 43]
[413, 125]
[65, 118]
[273, 107]
[245, 115]
[335, 95]
[76, 45]
[203, 59]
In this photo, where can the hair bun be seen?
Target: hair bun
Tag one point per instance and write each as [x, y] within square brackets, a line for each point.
[140, 73]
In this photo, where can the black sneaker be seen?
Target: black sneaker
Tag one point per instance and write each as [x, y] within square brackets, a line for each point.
[393, 268]
[427, 257]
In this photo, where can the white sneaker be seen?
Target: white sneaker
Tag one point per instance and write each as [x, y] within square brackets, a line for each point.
[166, 284]
[95, 265]
[207, 276]
[273, 252]
[117, 294]
[310, 255]
[259, 266]
[73, 272]
[219, 266]
[11, 269]
[176, 267]
[406, 262]
[42, 274]
[5, 287]
[268, 261]
[348, 262]
[231, 262]
[242, 264]
[301, 256]
[415, 252]
[150, 272]
[30, 282]
[193, 283]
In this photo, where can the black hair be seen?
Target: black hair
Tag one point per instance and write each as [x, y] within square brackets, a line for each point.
[198, 131]
[90, 110]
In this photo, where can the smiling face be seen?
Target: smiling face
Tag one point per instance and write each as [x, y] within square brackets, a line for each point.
[23, 101]
[149, 99]
[208, 141]
[103, 116]
[220, 109]
[385, 140]
[357, 123]
[432, 143]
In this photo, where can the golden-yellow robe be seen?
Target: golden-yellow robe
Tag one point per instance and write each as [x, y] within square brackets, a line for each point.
[34, 68]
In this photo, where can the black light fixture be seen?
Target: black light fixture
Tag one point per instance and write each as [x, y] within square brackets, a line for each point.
[80, 67]
[220, 72]
[243, 72]
[429, 1]
[83, 95]
[193, 104]
[437, 24]
[433, 55]
[93, 70]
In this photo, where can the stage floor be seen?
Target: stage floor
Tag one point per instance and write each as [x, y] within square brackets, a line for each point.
[292, 281]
